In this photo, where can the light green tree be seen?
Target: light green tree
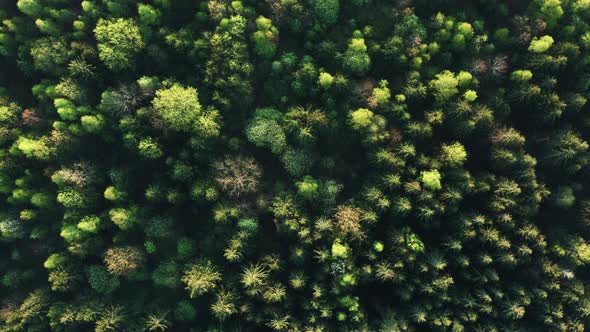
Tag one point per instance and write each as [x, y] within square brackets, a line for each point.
[431, 180]
[325, 80]
[361, 118]
[521, 75]
[356, 60]
[550, 10]
[541, 45]
[178, 107]
[381, 94]
[445, 85]
[119, 40]
[148, 15]
[308, 187]
[30, 7]
[454, 154]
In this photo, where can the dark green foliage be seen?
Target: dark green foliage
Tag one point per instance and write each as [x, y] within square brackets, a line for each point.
[326, 10]
[100, 280]
[185, 311]
[296, 162]
[294, 165]
[167, 274]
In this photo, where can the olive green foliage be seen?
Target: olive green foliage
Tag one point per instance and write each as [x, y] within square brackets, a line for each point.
[294, 165]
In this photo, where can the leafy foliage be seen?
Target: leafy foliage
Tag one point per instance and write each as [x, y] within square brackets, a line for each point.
[119, 40]
[294, 165]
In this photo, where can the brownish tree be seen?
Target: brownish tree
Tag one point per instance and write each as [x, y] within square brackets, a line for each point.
[237, 176]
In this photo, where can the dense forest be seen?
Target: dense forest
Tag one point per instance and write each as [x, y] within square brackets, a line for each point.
[294, 165]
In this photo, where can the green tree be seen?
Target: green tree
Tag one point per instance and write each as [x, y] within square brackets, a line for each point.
[11, 228]
[431, 179]
[101, 280]
[308, 188]
[30, 7]
[90, 224]
[521, 75]
[368, 123]
[454, 154]
[339, 250]
[227, 66]
[167, 274]
[305, 122]
[569, 150]
[125, 218]
[325, 80]
[50, 54]
[361, 118]
[564, 197]
[541, 45]
[119, 41]
[550, 10]
[265, 38]
[326, 10]
[185, 248]
[445, 85]
[157, 322]
[149, 148]
[62, 279]
[178, 107]
[148, 15]
[382, 94]
[296, 162]
[266, 132]
[185, 311]
[356, 60]
[92, 123]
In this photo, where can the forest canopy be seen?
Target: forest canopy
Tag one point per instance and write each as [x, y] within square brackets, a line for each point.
[294, 165]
